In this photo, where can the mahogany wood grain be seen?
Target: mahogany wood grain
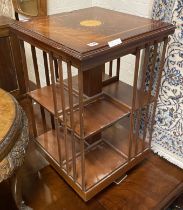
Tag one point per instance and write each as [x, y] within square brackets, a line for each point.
[96, 118]
[11, 73]
[80, 38]
[153, 184]
[120, 91]
[7, 71]
[44, 96]
[64, 34]
[92, 84]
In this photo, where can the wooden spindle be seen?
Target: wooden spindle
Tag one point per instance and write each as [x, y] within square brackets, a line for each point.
[142, 91]
[149, 93]
[131, 138]
[45, 59]
[157, 88]
[110, 68]
[118, 67]
[56, 68]
[70, 89]
[24, 65]
[36, 70]
[46, 68]
[55, 106]
[81, 120]
[26, 77]
[60, 69]
[38, 84]
[144, 68]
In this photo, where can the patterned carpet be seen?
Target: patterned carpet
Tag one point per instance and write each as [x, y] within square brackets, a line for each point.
[168, 130]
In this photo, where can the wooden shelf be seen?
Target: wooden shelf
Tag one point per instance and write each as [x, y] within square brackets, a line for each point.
[48, 141]
[123, 93]
[98, 115]
[101, 159]
[44, 96]
[118, 137]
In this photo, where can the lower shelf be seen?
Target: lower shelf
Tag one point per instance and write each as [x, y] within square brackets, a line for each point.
[100, 161]
[48, 141]
[102, 157]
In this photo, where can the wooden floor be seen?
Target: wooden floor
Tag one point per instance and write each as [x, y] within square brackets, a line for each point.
[151, 185]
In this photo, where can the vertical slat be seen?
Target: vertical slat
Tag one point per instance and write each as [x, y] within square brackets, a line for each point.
[144, 68]
[48, 82]
[26, 77]
[70, 89]
[118, 67]
[157, 88]
[138, 117]
[56, 68]
[131, 138]
[55, 106]
[38, 83]
[32, 117]
[24, 64]
[110, 68]
[36, 70]
[46, 68]
[149, 93]
[141, 97]
[60, 69]
[81, 114]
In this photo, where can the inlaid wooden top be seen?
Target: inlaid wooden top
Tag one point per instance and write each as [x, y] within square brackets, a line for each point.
[7, 113]
[92, 28]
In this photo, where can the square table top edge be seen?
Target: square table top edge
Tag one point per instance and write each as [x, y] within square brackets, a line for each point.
[79, 57]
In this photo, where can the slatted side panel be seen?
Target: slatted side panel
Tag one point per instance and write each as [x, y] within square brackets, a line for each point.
[112, 74]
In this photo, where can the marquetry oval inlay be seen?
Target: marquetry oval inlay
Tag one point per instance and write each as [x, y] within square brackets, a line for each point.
[90, 23]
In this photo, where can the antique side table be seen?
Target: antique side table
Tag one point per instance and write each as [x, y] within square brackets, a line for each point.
[14, 138]
[95, 118]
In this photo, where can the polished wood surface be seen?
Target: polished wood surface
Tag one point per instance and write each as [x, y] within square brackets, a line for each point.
[64, 38]
[11, 75]
[67, 36]
[44, 189]
[60, 28]
[7, 113]
[7, 70]
[152, 185]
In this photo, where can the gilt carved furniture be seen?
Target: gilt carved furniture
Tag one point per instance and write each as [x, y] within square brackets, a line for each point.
[30, 8]
[13, 141]
[95, 118]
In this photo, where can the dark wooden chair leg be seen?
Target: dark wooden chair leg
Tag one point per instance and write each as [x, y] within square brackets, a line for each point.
[16, 186]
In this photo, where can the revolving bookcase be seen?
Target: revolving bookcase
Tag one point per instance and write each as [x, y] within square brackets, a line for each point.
[86, 121]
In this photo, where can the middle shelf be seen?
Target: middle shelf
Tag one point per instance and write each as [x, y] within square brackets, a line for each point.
[98, 113]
